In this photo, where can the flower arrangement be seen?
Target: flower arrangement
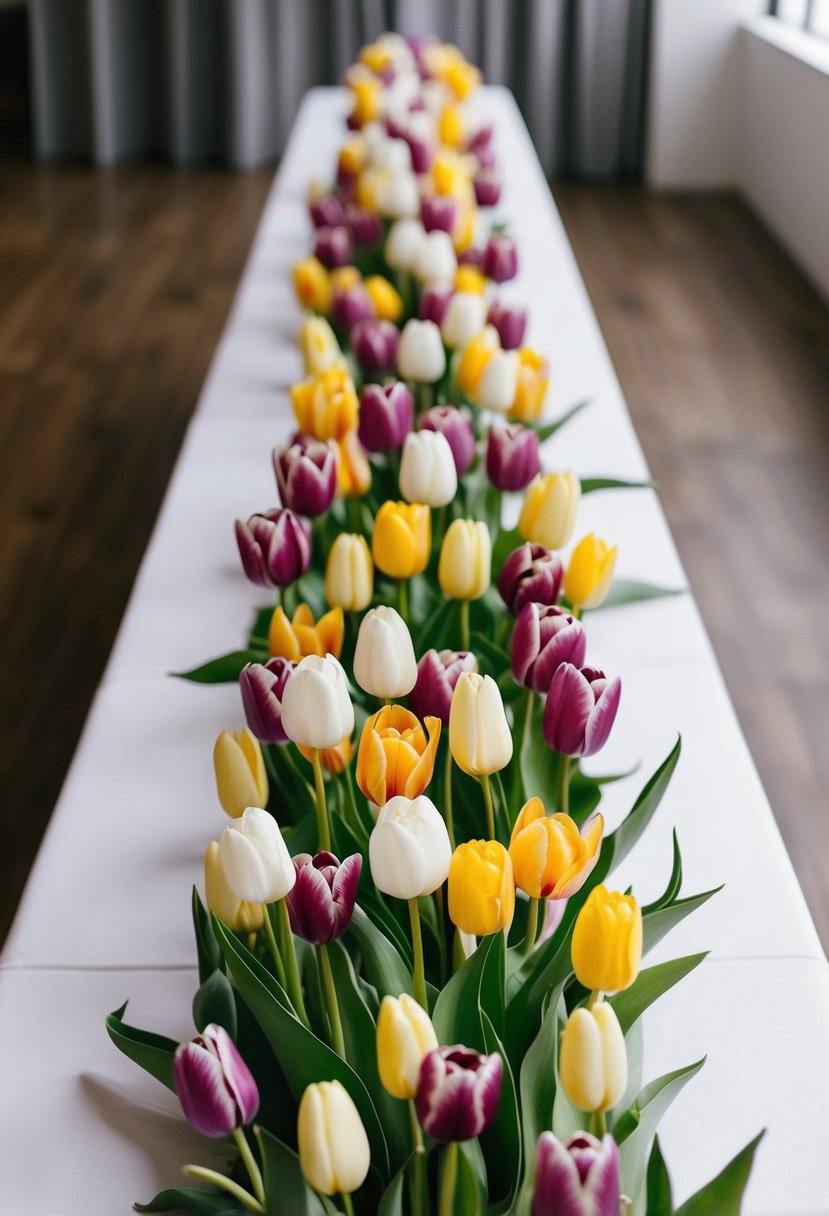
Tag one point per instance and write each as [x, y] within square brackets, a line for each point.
[420, 991]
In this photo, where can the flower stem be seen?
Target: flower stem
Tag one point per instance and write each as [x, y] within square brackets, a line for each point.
[323, 828]
[532, 927]
[464, 609]
[423, 397]
[419, 1180]
[447, 795]
[277, 957]
[490, 809]
[448, 1178]
[403, 598]
[598, 1121]
[294, 988]
[348, 1206]
[251, 1165]
[564, 785]
[417, 949]
[225, 1184]
[331, 1003]
[529, 706]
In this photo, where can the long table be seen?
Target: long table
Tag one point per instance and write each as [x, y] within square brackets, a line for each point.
[106, 913]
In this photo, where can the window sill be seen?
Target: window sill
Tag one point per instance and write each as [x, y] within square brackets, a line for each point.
[810, 49]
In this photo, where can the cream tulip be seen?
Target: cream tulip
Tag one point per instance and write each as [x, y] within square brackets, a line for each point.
[436, 261]
[465, 316]
[320, 348]
[420, 353]
[316, 708]
[498, 382]
[405, 1035]
[465, 560]
[551, 505]
[403, 242]
[428, 473]
[255, 859]
[333, 1146]
[397, 195]
[479, 734]
[222, 901]
[592, 1060]
[384, 658]
[409, 850]
[349, 573]
[241, 778]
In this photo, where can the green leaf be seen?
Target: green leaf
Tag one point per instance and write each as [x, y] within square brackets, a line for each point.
[471, 1186]
[153, 1052]
[549, 428]
[382, 964]
[632, 591]
[285, 1187]
[674, 882]
[651, 1104]
[210, 956]
[649, 985]
[215, 1002]
[505, 542]
[659, 1194]
[392, 1202]
[501, 1143]
[457, 1013]
[496, 656]
[724, 1194]
[223, 670]
[537, 1086]
[660, 922]
[633, 825]
[589, 485]
[194, 1202]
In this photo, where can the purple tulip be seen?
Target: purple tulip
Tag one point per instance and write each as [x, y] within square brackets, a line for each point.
[321, 901]
[366, 227]
[437, 674]
[275, 547]
[500, 260]
[457, 1092]
[306, 476]
[422, 151]
[434, 301]
[530, 575]
[351, 306]
[580, 711]
[487, 188]
[332, 246]
[374, 344]
[577, 1178]
[512, 458]
[510, 323]
[438, 214]
[545, 637]
[214, 1084]
[471, 257]
[386, 416]
[327, 212]
[262, 687]
[481, 138]
[456, 427]
[485, 158]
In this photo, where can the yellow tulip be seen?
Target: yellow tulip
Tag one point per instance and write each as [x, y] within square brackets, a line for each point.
[352, 157]
[402, 538]
[606, 949]
[349, 573]
[450, 127]
[450, 175]
[394, 756]
[465, 560]
[370, 183]
[333, 759]
[327, 405]
[354, 470]
[405, 1035]
[345, 277]
[366, 90]
[386, 299]
[332, 1142]
[463, 238]
[469, 279]
[550, 857]
[551, 504]
[239, 917]
[533, 381]
[241, 779]
[376, 57]
[473, 361]
[462, 78]
[320, 348]
[312, 285]
[589, 572]
[301, 635]
[481, 887]
[479, 734]
[592, 1060]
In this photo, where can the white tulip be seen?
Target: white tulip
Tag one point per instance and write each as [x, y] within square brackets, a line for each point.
[409, 850]
[465, 316]
[374, 135]
[427, 469]
[479, 734]
[497, 386]
[394, 155]
[436, 258]
[384, 658]
[255, 859]
[398, 196]
[420, 353]
[316, 707]
[403, 242]
[592, 1061]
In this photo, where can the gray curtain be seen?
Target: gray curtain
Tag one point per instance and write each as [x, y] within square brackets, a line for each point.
[199, 80]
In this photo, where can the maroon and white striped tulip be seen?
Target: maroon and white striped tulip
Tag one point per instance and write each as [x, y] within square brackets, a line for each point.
[458, 1092]
[545, 637]
[374, 344]
[438, 214]
[437, 674]
[456, 427]
[434, 302]
[580, 711]
[332, 246]
[487, 185]
[481, 138]
[275, 547]
[512, 457]
[327, 211]
[530, 575]
[214, 1084]
[386, 416]
[321, 901]
[351, 305]
[577, 1178]
[471, 257]
[306, 476]
[500, 259]
[510, 324]
[485, 158]
[366, 227]
[262, 686]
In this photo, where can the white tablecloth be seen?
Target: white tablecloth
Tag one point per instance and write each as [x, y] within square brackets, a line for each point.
[106, 913]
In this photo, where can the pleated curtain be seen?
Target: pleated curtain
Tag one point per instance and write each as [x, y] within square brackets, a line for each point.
[220, 80]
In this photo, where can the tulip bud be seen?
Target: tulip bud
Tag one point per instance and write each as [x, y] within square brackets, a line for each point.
[427, 469]
[394, 757]
[458, 1093]
[398, 195]
[438, 214]
[437, 674]
[326, 406]
[320, 348]
[471, 257]
[481, 888]
[530, 575]
[475, 357]
[321, 902]
[607, 941]
[500, 260]
[222, 901]
[332, 246]
[456, 427]
[351, 305]
[262, 687]
[306, 476]
[589, 572]
[333, 1146]
[465, 316]
[498, 382]
[510, 324]
[386, 299]
[420, 354]
[402, 244]
[386, 416]
[405, 1035]
[349, 573]
[551, 504]
[533, 381]
[312, 285]
[214, 1084]
[384, 660]
[374, 344]
[402, 539]
[545, 637]
[465, 560]
[479, 734]
[435, 260]
[580, 711]
[469, 280]
[316, 708]
[294, 639]
[577, 1178]
[241, 779]
[255, 858]
[592, 1058]
[409, 850]
[354, 470]
[366, 227]
[487, 188]
[512, 458]
[551, 858]
[434, 301]
[326, 211]
[275, 547]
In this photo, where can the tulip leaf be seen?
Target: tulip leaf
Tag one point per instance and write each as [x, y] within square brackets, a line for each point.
[214, 1002]
[590, 484]
[210, 956]
[192, 1201]
[658, 1184]
[632, 591]
[649, 985]
[471, 1185]
[382, 964]
[549, 428]
[223, 670]
[658, 923]
[391, 1203]
[674, 882]
[457, 1012]
[153, 1052]
[633, 825]
[501, 1143]
[724, 1193]
[496, 658]
[285, 1187]
[505, 543]
[651, 1105]
[537, 1084]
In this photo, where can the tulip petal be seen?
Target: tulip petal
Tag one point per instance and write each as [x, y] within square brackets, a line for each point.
[600, 722]
[421, 774]
[570, 702]
[602, 1185]
[398, 866]
[558, 1188]
[206, 1101]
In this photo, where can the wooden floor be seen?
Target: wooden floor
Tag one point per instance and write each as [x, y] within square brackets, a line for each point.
[113, 293]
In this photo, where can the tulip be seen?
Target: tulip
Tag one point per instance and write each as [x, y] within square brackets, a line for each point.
[456, 427]
[606, 948]
[402, 244]
[351, 159]
[465, 316]
[592, 1059]
[397, 195]
[240, 917]
[437, 674]
[262, 687]
[333, 1146]
[479, 734]
[465, 560]
[471, 257]
[577, 1178]
[551, 504]
[351, 305]
[320, 348]
[300, 636]
[394, 757]
[402, 539]
[500, 260]
[481, 888]
[420, 355]
[435, 260]
[409, 851]
[326, 211]
[496, 388]
[275, 547]
[214, 1084]
[321, 902]
[531, 574]
[427, 469]
[388, 304]
[334, 760]
[386, 416]
[384, 659]
[533, 381]
[312, 285]
[551, 858]
[589, 572]
[458, 1093]
[512, 457]
[326, 406]
[345, 277]
[405, 1036]
[374, 344]
[366, 227]
[316, 708]
[306, 476]
[580, 711]
[255, 858]
[332, 246]
[349, 574]
[510, 324]
[474, 358]
[241, 779]
[438, 214]
[545, 637]
[469, 280]
[353, 468]
[434, 300]
[485, 158]
[487, 188]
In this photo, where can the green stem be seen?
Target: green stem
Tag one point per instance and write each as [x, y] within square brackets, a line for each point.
[403, 598]
[595, 995]
[448, 1178]
[417, 949]
[490, 809]
[464, 607]
[348, 1206]
[423, 397]
[294, 988]
[331, 1003]
[447, 794]
[277, 957]
[598, 1122]
[526, 728]
[351, 804]
[419, 1180]
[563, 791]
[323, 828]
[251, 1165]
[225, 1184]
[532, 926]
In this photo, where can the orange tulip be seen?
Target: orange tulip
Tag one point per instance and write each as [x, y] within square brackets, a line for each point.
[301, 635]
[334, 759]
[394, 756]
[551, 859]
[354, 470]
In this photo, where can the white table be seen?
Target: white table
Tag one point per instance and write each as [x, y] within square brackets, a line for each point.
[106, 912]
